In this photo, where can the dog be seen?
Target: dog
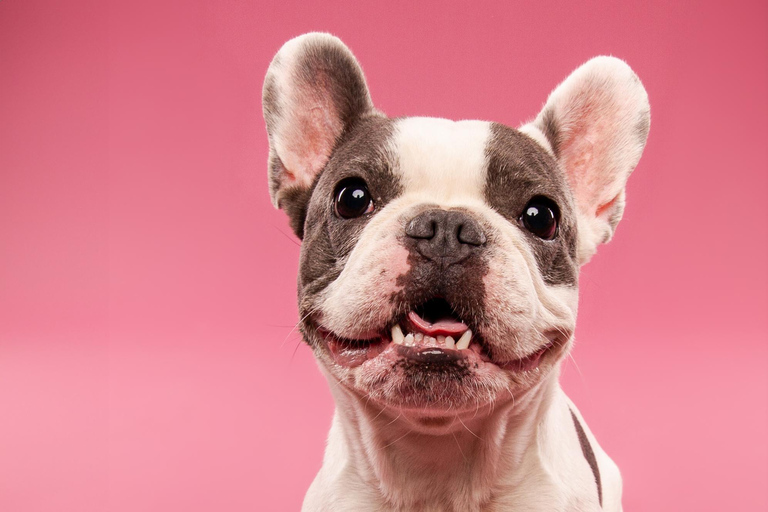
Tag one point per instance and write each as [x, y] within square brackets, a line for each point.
[438, 282]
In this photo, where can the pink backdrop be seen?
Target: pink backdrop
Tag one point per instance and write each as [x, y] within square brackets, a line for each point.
[147, 360]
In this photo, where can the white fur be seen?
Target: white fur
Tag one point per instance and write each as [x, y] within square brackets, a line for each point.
[441, 162]
[523, 456]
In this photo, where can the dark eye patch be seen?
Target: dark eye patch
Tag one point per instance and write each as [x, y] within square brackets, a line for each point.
[361, 159]
[521, 175]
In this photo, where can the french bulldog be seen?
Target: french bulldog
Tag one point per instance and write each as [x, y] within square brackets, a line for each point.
[438, 282]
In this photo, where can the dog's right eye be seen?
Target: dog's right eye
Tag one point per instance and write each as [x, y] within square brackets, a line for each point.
[352, 199]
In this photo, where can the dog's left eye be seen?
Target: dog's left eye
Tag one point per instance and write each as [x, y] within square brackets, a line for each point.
[352, 198]
[540, 217]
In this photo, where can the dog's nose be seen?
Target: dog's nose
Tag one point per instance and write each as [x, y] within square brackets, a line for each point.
[445, 236]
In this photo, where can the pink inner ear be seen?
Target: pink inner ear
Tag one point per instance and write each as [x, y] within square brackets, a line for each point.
[308, 143]
[592, 136]
[578, 161]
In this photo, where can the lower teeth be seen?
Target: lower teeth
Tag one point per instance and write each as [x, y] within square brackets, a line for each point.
[412, 339]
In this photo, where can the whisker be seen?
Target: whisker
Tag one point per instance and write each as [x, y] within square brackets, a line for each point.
[398, 439]
[296, 326]
[394, 420]
[467, 428]
[295, 350]
[289, 237]
[576, 365]
[458, 445]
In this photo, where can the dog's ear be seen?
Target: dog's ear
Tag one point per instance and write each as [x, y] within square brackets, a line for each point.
[313, 92]
[596, 123]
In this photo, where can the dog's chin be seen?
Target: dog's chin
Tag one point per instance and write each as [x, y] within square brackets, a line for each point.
[416, 365]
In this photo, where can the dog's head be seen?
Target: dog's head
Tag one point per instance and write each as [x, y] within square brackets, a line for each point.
[440, 259]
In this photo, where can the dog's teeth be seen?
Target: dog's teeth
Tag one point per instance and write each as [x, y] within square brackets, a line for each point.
[397, 335]
[409, 340]
[418, 337]
[430, 340]
[464, 340]
[450, 342]
[441, 340]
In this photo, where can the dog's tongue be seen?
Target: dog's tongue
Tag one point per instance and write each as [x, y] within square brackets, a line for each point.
[446, 326]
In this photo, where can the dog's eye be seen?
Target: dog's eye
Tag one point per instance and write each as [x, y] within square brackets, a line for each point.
[540, 217]
[352, 198]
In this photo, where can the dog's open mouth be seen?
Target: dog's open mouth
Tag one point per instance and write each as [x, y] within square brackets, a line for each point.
[431, 333]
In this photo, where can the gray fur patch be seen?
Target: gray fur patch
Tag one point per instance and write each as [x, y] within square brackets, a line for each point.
[518, 170]
[363, 152]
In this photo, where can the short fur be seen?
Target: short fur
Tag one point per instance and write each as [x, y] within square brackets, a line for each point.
[419, 427]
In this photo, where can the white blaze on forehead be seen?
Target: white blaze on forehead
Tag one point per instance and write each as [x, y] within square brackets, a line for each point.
[441, 159]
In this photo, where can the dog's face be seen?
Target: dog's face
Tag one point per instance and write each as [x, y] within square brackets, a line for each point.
[439, 264]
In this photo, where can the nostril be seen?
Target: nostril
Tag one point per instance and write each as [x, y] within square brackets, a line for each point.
[421, 227]
[471, 234]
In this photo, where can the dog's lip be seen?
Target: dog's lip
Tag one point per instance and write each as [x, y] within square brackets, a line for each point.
[529, 362]
[352, 353]
[431, 355]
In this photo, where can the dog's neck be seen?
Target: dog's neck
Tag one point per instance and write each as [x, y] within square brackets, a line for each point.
[457, 466]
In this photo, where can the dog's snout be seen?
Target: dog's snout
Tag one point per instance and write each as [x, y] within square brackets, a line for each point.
[446, 236]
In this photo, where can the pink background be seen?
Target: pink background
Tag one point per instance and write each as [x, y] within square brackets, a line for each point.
[147, 287]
